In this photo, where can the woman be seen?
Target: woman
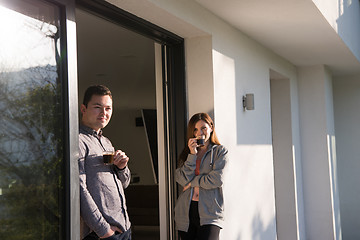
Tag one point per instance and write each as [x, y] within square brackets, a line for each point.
[199, 208]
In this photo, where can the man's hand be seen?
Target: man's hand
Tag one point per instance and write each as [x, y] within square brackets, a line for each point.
[111, 232]
[120, 159]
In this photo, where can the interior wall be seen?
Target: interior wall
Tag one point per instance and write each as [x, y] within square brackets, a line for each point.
[123, 61]
[125, 135]
[347, 115]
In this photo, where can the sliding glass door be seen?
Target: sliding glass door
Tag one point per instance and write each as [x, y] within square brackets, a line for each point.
[33, 126]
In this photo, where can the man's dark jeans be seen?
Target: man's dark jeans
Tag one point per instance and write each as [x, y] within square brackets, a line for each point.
[117, 236]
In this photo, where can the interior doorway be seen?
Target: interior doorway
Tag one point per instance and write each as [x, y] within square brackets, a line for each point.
[123, 43]
[124, 61]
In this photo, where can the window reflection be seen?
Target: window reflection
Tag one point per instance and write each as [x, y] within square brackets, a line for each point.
[31, 122]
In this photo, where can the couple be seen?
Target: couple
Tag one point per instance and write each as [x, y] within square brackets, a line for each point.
[199, 209]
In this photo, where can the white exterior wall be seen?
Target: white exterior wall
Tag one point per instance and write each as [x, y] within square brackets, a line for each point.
[347, 119]
[239, 65]
[322, 213]
[344, 17]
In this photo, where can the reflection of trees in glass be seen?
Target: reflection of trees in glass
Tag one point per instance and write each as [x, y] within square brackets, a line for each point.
[30, 161]
[31, 148]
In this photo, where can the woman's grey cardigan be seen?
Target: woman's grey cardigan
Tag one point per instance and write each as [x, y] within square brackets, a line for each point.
[209, 181]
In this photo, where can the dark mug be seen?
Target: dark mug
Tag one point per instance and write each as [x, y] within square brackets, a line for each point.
[200, 141]
[108, 157]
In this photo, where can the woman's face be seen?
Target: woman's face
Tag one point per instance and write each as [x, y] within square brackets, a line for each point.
[202, 128]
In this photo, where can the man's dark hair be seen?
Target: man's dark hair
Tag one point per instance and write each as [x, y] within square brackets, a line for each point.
[100, 90]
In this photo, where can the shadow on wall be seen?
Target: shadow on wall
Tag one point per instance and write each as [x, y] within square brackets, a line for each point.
[243, 76]
[258, 230]
[249, 182]
[261, 231]
[346, 99]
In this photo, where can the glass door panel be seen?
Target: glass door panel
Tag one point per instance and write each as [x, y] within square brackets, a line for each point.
[31, 125]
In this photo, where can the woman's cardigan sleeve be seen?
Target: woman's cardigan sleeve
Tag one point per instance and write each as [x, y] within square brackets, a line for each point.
[214, 178]
[186, 173]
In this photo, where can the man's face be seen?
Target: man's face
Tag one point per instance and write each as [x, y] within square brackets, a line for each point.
[98, 112]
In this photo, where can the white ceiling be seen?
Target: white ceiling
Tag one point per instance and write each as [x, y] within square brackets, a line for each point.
[294, 29]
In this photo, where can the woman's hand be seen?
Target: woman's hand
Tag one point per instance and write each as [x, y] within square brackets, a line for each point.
[120, 159]
[192, 144]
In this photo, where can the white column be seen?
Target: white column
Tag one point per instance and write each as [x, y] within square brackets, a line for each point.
[322, 214]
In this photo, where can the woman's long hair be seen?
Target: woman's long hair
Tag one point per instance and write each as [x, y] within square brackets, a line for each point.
[190, 134]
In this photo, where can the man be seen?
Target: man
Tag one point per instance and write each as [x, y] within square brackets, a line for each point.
[102, 199]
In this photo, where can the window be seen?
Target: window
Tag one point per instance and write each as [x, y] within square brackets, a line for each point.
[31, 125]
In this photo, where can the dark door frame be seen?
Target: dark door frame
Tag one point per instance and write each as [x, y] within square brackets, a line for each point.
[173, 58]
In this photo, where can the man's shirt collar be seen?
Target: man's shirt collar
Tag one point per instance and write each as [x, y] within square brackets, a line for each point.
[90, 131]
